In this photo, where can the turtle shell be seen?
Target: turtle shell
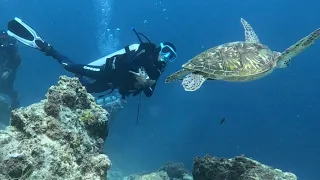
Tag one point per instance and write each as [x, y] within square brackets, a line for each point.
[235, 61]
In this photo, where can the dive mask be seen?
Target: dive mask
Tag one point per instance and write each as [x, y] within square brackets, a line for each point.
[167, 53]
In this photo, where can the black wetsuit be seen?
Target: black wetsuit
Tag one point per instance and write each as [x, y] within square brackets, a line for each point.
[9, 63]
[114, 74]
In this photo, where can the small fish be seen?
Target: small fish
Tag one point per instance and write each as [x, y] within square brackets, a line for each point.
[223, 120]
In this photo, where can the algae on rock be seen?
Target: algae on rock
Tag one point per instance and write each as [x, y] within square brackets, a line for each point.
[51, 140]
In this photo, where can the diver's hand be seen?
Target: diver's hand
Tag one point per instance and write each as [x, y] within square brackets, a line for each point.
[142, 78]
[148, 83]
[5, 75]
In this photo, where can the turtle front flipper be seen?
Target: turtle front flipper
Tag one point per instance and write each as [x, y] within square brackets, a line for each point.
[250, 35]
[192, 81]
[284, 59]
[176, 76]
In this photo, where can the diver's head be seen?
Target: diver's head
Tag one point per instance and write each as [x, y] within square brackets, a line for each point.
[167, 52]
[7, 43]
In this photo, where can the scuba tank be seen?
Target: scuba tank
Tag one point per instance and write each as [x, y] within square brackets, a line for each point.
[111, 103]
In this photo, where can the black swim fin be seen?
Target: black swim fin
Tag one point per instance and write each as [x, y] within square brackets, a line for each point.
[24, 33]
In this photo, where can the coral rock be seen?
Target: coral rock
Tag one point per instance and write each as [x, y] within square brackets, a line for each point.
[170, 171]
[55, 138]
[160, 175]
[174, 170]
[238, 168]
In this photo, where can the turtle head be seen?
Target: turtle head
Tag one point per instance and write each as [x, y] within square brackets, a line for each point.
[275, 54]
[280, 60]
[277, 60]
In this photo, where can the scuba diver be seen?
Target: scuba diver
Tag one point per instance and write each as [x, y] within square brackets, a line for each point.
[131, 70]
[9, 63]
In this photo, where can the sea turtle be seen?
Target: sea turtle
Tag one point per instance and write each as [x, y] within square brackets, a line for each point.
[238, 61]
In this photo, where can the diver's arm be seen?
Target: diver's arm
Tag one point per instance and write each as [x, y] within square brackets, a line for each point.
[148, 91]
[143, 57]
[14, 61]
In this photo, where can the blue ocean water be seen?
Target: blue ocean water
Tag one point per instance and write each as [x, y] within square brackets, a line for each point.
[273, 120]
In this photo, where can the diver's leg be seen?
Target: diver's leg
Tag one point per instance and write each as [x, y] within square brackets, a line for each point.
[28, 36]
[90, 71]
[93, 72]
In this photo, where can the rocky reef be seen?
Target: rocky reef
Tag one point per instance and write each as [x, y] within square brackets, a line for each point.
[213, 168]
[61, 137]
[115, 173]
[238, 168]
[170, 171]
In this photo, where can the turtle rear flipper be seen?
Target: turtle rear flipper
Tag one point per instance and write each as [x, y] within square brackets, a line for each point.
[284, 59]
[250, 35]
[192, 82]
[177, 75]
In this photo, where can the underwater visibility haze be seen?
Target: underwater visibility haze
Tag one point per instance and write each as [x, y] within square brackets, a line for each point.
[274, 120]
